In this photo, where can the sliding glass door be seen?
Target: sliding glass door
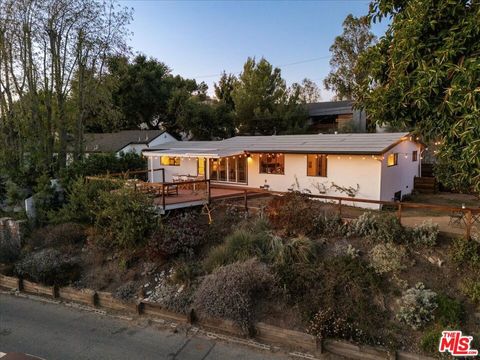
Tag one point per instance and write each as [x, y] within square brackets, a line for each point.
[230, 169]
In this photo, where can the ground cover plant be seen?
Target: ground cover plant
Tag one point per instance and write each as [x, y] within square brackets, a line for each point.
[294, 264]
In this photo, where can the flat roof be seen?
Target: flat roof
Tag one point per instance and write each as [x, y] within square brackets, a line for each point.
[353, 143]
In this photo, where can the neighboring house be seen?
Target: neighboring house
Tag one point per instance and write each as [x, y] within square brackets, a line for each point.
[331, 116]
[125, 141]
[375, 166]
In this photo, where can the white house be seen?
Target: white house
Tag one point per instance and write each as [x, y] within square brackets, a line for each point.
[372, 166]
[125, 141]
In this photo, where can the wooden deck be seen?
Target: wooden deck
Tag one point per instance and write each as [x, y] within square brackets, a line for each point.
[188, 197]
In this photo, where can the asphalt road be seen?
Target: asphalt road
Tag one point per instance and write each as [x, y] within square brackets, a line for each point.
[54, 331]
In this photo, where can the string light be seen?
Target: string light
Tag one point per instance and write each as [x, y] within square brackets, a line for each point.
[350, 158]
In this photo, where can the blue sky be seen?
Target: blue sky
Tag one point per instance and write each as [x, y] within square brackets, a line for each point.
[200, 39]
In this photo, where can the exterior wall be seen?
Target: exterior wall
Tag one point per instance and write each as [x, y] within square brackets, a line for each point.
[345, 171]
[162, 139]
[135, 148]
[400, 177]
[188, 166]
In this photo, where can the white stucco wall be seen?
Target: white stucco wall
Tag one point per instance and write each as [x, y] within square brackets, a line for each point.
[400, 177]
[188, 166]
[343, 170]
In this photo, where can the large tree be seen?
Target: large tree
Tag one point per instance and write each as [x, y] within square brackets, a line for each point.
[345, 75]
[263, 103]
[424, 74]
[224, 89]
[44, 45]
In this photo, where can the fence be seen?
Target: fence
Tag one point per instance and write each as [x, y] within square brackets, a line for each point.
[264, 332]
[469, 215]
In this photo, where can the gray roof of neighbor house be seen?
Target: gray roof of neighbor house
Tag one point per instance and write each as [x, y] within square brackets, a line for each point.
[354, 143]
[113, 142]
[330, 108]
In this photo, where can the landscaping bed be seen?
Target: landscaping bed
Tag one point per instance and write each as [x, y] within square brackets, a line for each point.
[292, 263]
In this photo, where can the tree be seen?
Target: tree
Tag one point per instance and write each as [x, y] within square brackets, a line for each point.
[148, 94]
[345, 75]
[262, 101]
[203, 121]
[224, 89]
[307, 92]
[424, 75]
[44, 45]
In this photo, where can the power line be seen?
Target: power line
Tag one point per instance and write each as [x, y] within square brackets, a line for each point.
[279, 66]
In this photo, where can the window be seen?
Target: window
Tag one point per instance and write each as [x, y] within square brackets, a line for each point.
[392, 159]
[169, 161]
[201, 166]
[222, 169]
[214, 169]
[414, 155]
[272, 164]
[317, 165]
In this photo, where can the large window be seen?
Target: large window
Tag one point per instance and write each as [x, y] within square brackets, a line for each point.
[317, 165]
[392, 159]
[201, 166]
[272, 164]
[169, 161]
[222, 169]
[231, 169]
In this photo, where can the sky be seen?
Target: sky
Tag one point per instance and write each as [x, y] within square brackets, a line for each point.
[200, 39]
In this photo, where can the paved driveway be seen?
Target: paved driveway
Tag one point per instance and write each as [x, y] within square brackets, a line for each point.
[55, 331]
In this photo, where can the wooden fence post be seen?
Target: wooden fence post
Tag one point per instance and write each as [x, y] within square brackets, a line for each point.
[399, 212]
[163, 196]
[468, 223]
[340, 207]
[245, 200]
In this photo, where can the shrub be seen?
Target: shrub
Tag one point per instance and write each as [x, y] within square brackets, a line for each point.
[97, 164]
[241, 245]
[126, 218]
[48, 266]
[465, 252]
[9, 252]
[378, 227]
[83, 201]
[471, 288]
[231, 292]
[351, 252]
[56, 235]
[331, 225]
[293, 212]
[185, 273]
[417, 306]
[126, 292]
[450, 312]
[328, 323]
[430, 340]
[14, 194]
[180, 233]
[388, 257]
[425, 234]
[350, 288]
[45, 198]
[299, 250]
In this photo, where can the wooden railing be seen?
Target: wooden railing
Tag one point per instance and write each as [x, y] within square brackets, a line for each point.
[469, 213]
[165, 189]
